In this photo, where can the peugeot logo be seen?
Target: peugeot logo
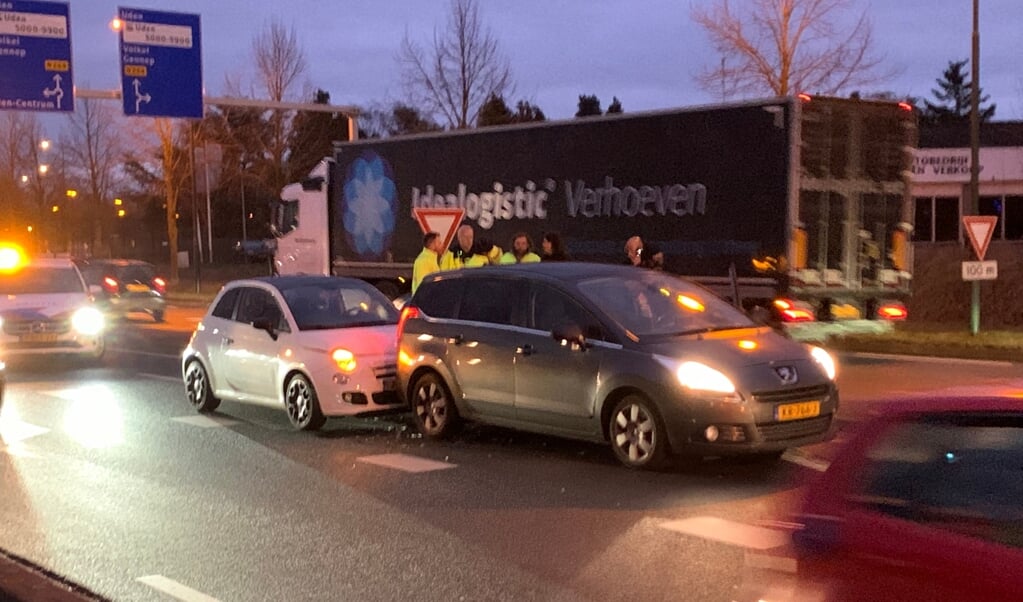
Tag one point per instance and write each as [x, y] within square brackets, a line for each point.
[787, 374]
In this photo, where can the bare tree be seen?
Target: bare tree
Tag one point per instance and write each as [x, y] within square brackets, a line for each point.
[783, 47]
[15, 166]
[91, 141]
[280, 63]
[453, 79]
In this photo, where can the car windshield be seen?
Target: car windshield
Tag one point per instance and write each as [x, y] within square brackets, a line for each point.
[333, 304]
[34, 280]
[649, 303]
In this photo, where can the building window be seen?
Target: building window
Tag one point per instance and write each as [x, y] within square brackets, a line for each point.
[992, 205]
[1013, 217]
[946, 218]
[923, 220]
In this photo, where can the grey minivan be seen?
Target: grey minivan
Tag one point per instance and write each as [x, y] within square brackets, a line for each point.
[647, 361]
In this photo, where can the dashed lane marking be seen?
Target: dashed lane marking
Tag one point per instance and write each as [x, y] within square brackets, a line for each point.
[174, 589]
[145, 353]
[926, 359]
[729, 532]
[206, 421]
[170, 379]
[805, 461]
[406, 463]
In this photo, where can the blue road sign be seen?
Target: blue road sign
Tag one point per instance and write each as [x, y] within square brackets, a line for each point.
[161, 63]
[35, 56]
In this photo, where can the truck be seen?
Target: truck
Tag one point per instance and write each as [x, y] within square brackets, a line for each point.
[799, 204]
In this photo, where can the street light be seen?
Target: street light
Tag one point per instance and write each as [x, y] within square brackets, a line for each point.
[44, 145]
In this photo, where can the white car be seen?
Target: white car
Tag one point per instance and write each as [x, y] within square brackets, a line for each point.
[46, 308]
[317, 346]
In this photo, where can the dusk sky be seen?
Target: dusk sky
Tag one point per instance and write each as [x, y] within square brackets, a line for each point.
[645, 52]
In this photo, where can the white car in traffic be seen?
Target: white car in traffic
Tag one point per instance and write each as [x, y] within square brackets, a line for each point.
[316, 346]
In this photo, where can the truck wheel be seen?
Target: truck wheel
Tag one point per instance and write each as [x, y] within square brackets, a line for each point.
[388, 287]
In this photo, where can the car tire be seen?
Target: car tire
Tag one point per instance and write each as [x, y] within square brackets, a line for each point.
[302, 405]
[433, 407]
[198, 389]
[158, 315]
[637, 434]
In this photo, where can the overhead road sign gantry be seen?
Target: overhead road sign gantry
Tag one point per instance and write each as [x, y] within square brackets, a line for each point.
[161, 64]
[35, 56]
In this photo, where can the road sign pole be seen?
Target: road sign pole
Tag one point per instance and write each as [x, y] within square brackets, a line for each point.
[975, 153]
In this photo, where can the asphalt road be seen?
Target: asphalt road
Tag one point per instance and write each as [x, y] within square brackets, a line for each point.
[110, 479]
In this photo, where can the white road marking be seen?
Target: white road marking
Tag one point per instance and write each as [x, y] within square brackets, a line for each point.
[406, 463]
[14, 431]
[927, 359]
[206, 421]
[148, 353]
[170, 379]
[729, 532]
[805, 461]
[174, 589]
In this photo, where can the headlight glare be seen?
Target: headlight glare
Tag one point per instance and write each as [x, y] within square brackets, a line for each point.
[344, 359]
[825, 360]
[700, 377]
[87, 321]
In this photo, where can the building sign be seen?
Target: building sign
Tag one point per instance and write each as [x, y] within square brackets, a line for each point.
[939, 165]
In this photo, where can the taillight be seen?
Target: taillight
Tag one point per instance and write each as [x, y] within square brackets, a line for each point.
[790, 311]
[407, 312]
[160, 285]
[111, 285]
[892, 311]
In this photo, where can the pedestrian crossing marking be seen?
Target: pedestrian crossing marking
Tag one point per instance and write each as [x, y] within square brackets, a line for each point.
[729, 532]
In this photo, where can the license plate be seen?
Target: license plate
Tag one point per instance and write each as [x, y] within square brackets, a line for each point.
[39, 337]
[136, 288]
[795, 411]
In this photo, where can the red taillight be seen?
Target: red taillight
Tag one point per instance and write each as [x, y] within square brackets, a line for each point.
[797, 315]
[160, 285]
[905, 106]
[892, 311]
[803, 96]
[111, 285]
[407, 312]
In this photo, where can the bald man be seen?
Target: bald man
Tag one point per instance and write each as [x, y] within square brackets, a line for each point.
[455, 257]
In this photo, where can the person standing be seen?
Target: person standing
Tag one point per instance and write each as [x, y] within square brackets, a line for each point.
[428, 261]
[552, 248]
[643, 255]
[461, 251]
[521, 250]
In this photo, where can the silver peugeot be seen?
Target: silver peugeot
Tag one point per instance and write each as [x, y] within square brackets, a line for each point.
[646, 361]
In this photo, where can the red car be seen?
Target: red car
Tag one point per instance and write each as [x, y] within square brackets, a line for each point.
[925, 502]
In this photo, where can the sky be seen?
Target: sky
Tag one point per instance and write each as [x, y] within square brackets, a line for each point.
[645, 52]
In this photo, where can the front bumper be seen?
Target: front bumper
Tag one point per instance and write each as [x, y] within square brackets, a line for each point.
[368, 390]
[69, 343]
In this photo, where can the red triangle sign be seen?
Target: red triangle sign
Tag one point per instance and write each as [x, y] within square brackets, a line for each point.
[440, 220]
[979, 228]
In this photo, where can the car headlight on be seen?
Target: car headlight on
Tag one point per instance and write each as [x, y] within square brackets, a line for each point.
[701, 377]
[344, 359]
[87, 321]
[825, 360]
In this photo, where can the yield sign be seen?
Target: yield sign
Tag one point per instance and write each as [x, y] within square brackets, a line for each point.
[442, 221]
[979, 228]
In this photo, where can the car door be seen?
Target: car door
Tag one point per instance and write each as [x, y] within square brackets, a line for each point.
[481, 344]
[556, 382]
[250, 359]
[211, 341]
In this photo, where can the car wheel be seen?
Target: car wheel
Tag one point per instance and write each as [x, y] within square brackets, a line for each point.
[302, 405]
[637, 433]
[198, 389]
[158, 315]
[433, 407]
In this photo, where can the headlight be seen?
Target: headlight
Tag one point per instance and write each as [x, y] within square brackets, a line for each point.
[825, 360]
[344, 359]
[87, 321]
[700, 377]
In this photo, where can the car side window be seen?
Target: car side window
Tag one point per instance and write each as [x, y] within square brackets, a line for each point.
[258, 304]
[439, 299]
[494, 301]
[225, 306]
[961, 474]
[552, 308]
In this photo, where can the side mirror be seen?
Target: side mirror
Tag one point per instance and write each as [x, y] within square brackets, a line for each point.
[571, 334]
[266, 325]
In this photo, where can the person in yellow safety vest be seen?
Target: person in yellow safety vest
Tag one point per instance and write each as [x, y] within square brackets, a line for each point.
[485, 253]
[428, 261]
[521, 250]
[455, 257]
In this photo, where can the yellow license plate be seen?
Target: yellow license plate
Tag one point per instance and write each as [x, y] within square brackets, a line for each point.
[39, 337]
[795, 411]
[137, 288]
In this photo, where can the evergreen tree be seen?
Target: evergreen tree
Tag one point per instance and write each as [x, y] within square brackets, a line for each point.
[588, 105]
[615, 106]
[313, 135]
[495, 112]
[953, 95]
[526, 112]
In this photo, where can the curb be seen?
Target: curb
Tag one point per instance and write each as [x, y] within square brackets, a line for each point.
[21, 580]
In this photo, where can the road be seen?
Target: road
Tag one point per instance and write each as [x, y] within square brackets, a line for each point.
[110, 479]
